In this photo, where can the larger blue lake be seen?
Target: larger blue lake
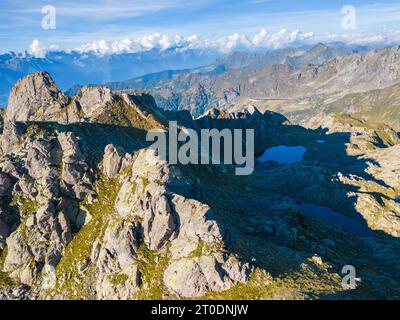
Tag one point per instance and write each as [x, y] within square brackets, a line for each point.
[283, 154]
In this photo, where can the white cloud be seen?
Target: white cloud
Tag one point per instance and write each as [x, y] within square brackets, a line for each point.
[234, 41]
[259, 38]
[280, 39]
[36, 49]
[264, 39]
[146, 43]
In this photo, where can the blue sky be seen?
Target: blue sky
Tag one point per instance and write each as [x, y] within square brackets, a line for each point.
[82, 21]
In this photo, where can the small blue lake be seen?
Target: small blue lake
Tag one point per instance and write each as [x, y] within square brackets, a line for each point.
[283, 154]
[328, 215]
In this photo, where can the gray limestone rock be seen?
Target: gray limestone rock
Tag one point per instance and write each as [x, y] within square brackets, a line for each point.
[94, 100]
[36, 97]
[115, 159]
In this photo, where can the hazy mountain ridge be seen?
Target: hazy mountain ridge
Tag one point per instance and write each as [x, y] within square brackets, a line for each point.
[81, 191]
[304, 89]
[74, 68]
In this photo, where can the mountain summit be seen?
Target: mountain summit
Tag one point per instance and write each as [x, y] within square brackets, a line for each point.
[34, 97]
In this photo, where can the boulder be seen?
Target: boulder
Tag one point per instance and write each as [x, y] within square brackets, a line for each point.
[160, 223]
[76, 173]
[194, 277]
[118, 276]
[114, 160]
[94, 100]
[120, 244]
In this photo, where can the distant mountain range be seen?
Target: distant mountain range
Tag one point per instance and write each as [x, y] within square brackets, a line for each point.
[74, 68]
[304, 84]
[294, 57]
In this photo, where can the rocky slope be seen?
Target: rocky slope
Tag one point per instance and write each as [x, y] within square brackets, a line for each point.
[81, 191]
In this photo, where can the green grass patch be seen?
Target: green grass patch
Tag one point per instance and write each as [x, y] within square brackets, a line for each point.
[151, 266]
[310, 283]
[72, 283]
[5, 280]
[119, 279]
[122, 114]
[146, 182]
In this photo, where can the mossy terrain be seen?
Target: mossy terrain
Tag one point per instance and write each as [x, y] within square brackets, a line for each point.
[33, 130]
[204, 248]
[73, 284]
[25, 206]
[312, 282]
[5, 280]
[119, 279]
[127, 172]
[151, 266]
[124, 115]
[377, 105]
[146, 182]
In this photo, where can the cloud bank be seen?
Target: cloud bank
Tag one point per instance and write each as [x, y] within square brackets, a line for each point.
[261, 40]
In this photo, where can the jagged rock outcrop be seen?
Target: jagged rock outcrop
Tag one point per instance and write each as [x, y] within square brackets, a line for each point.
[183, 224]
[54, 176]
[194, 277]
[36, 97]
[76, 174]
[9, 141]
[115, 159]
[48, 170]
[19, 293]
[94, 100]
[39, 240]
[119, 277]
